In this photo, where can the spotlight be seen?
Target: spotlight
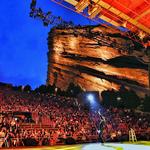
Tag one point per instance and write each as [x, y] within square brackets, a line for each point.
[90, 97]
[118, 98]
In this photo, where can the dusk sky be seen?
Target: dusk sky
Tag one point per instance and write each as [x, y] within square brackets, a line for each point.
[23, 41]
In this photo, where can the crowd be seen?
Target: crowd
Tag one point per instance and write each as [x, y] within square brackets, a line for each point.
[65, 118]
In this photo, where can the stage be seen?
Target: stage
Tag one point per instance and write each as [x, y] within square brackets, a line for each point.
[95, 146]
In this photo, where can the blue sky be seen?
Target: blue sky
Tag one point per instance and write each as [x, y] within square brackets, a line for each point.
[23, 41]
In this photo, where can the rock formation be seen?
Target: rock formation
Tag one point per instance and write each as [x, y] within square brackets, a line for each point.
[97, 58]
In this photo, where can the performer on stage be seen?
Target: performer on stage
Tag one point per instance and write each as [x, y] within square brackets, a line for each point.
[101, 126]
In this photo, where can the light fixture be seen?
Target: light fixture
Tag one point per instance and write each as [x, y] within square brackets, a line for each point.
[124, 24]
[141, 35]
[81, 5]
[94, 10]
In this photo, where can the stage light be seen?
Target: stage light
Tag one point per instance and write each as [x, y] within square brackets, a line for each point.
[118, 98]
[90, 97]
[141, 35]
[124, 24]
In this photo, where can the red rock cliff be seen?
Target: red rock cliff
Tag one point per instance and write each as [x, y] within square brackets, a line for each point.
[96, 58]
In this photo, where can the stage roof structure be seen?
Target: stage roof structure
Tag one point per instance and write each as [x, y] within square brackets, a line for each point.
[133, 15]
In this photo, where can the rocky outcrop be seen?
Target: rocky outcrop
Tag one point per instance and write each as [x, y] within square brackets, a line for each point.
[96, 58]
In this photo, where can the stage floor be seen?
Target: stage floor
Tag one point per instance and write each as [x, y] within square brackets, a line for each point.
[95, 146]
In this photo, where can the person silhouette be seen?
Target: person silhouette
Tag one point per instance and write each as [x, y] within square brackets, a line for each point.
[101, 126]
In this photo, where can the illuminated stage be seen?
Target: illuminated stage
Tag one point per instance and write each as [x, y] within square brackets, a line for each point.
[96, 146]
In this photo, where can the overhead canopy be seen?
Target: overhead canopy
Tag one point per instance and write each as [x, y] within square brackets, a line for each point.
[135, 12]
[131, 14]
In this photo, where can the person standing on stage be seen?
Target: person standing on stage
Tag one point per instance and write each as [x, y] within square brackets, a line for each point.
[101, 126]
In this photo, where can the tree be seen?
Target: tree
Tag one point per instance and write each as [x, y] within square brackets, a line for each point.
[106, 98]
[73, 90]
[50, 89]
[19, 88]
[110, 98]
[129, 98]
[41, 89]
[27, 88]
[122, 98]
[146, 104]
